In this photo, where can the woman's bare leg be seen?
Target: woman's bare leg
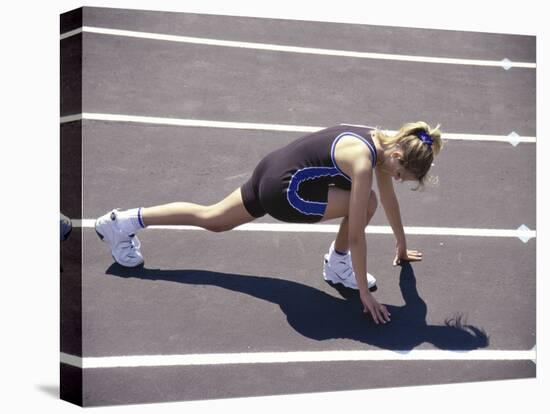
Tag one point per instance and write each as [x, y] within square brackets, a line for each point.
[222, 216]
[338, 206]
[341, 242]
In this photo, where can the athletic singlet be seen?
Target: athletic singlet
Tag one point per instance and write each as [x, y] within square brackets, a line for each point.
[291, 184]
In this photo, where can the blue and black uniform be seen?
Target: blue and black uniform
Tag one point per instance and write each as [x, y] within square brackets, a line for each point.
[291, 184]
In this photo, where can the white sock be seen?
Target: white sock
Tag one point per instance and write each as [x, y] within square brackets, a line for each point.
[130, 221]
[334, 255]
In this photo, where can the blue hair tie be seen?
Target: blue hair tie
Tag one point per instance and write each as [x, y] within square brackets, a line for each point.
[425, 137]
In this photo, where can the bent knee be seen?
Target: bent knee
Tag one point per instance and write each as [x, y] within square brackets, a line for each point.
[215, 221]
[217, 225]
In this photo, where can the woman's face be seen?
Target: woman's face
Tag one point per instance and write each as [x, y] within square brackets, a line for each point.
[395, 168]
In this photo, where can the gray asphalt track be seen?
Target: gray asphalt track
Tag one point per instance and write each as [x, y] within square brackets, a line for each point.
[164, 384]
[201, 292]
[295, 88]
[175, 157]
[362, 38]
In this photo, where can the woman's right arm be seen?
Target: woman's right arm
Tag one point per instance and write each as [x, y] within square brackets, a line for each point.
[361, 173]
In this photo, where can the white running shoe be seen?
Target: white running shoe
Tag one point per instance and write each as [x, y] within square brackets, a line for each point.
[124, 247]
[338, 269]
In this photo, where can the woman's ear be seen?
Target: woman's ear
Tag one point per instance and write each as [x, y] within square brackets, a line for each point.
[397, 154]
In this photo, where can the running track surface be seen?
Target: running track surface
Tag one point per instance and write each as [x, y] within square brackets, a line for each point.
[257, 292]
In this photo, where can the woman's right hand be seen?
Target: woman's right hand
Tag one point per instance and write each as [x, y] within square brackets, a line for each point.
[370, 305]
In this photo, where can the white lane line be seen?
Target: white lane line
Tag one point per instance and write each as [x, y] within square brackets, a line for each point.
[72, 118]
[187, 122]
[522, 232]
[305, 50]
[260, 126]
[294, 357]
[70, 33]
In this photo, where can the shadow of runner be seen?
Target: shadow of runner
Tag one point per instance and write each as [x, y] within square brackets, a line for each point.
[320, 316]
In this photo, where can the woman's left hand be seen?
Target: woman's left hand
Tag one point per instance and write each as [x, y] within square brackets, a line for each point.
[402, 254]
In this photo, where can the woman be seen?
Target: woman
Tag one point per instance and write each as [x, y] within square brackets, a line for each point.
[322, 176]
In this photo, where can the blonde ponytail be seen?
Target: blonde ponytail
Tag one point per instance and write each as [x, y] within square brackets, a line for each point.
[419, 143]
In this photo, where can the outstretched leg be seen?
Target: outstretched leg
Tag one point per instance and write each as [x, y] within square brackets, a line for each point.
[118, 228]
[222, 216]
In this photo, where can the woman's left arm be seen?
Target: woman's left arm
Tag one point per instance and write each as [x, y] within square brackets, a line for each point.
[391, 208]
